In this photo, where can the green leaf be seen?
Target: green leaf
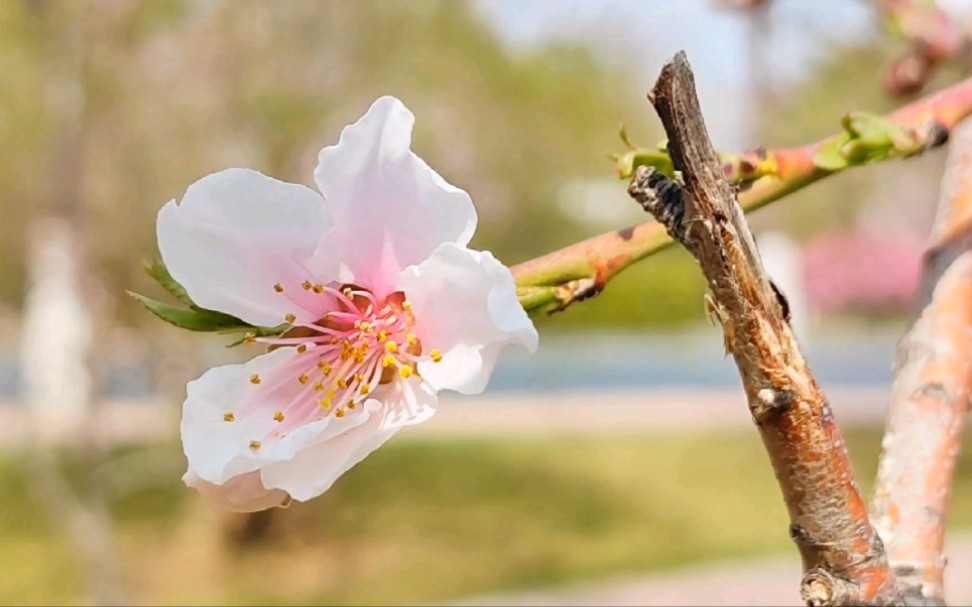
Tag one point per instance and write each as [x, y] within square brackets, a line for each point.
[194, 318]
[830, 156]
[875, 131]
[160, 274]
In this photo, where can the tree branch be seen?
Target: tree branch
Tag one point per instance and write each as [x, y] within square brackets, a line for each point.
[932, 37]
[843, 558]
[554, 281]
[931, 394]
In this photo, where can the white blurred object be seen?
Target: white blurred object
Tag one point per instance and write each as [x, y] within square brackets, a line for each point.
[56, 335]
[783, 262]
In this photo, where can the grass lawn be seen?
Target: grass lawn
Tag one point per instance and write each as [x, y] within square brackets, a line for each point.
[429, 521]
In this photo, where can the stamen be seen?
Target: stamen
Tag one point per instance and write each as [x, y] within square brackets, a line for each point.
[436, 355]
[278, 288]
[346, 348]
[249, 339]
[228, 416]
[255, 379]
[255, 445]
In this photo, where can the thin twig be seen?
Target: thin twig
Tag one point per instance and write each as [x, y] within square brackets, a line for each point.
[932, 39]
[843, 558]
[931, 394]
[556, 280]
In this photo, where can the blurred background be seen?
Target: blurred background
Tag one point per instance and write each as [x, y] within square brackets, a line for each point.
[622, 448]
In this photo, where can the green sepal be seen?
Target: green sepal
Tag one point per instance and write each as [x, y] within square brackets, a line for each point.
[160, 274]
[257, 332]
[192, 318]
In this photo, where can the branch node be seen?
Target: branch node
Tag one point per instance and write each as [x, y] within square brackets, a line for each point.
[818, 588]
[661, 197]
[772, 403]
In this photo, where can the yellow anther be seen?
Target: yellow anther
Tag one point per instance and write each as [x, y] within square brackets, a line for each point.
[318, 387]
[255, 445]
[301, 348]
[382, 336]
[323, 365]
[347, 292]
[389, 361]
[411, 339]
[278, 416]
[407, 305]
[339, 413]
[365, 389]
[303, 378]
[391, 347]
[290, 318]
[306, 285]
[365, 327]
[228, 416]
[351, 405]
[325, 403]
[318, 289]
[359, 378]
[405, 372]
[278, 288]
[342, 383]
[436, 355]
[249, 339]
[359, 357]
[255, 379]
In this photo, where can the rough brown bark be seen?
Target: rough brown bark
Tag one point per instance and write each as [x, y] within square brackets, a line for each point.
[843, 558]
[931, 394]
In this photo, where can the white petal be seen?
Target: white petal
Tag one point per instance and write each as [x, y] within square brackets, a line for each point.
[390, 209]
[218, 450]
[243, 493]
[465, 305]
[235, 234]
[314, 470]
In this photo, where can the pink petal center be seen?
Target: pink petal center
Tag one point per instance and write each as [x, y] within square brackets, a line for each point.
[356, 344]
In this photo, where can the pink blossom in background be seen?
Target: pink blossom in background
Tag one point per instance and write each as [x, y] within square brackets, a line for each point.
[861, 269]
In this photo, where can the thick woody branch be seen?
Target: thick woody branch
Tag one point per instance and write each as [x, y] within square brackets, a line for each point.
[931, 394]
[556, 280]
[843, 558]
